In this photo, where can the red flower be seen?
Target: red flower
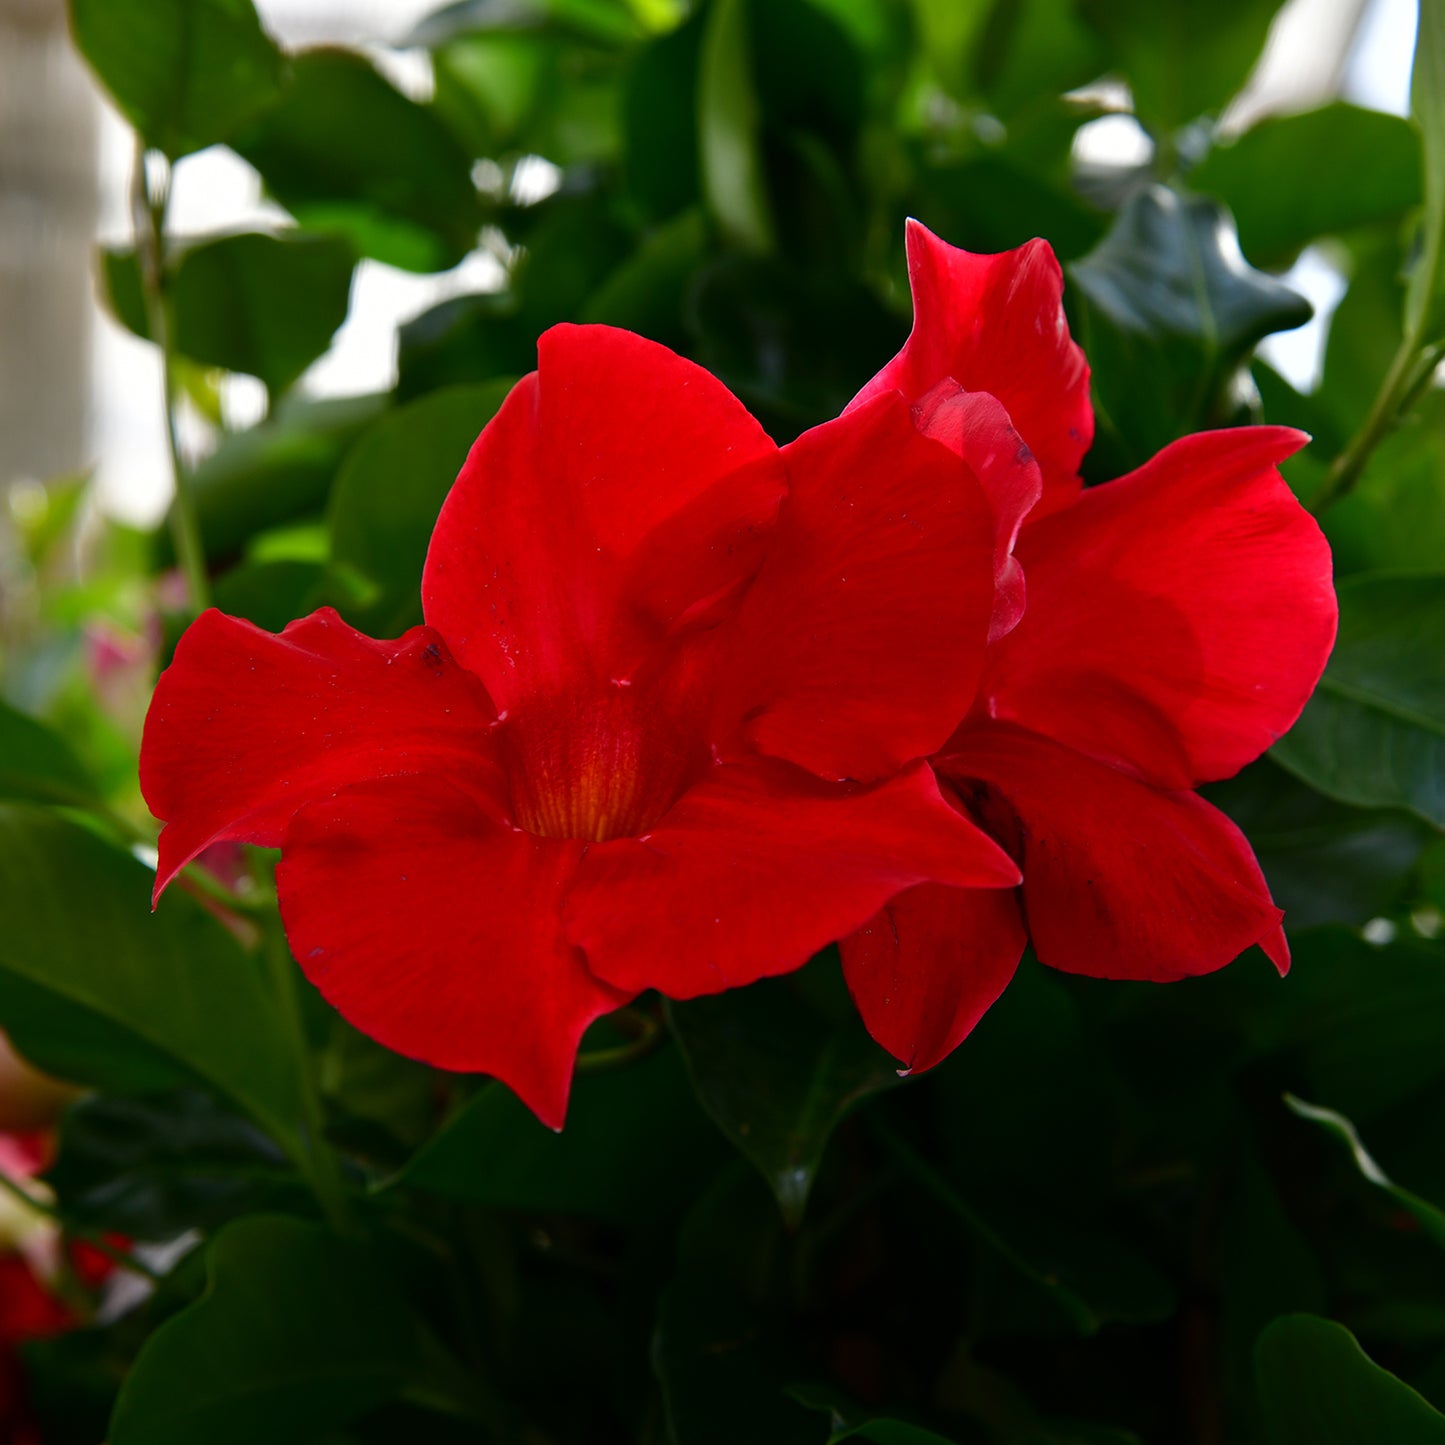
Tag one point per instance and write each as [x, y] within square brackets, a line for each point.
[613, 759]
[1177, 621]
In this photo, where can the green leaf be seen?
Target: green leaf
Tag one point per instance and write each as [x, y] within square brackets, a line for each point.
[1318, 1387]
[264, 305]
[298, 1332]
[778, 1065]
[1425, 304]
[275, 472]
[1182, 59]
[97, 989]
[156, 1167]
[890, 1432]
[184, 73]
[345, 151]
[389, 491]
[1430, 1219]
[635, 1145]
[1374, 732]
[734, 181]
[1170, 312]
[1325, 862]
[270, 594]
[604, 21]
[37, 764]
[1280, 179]
[261, 304]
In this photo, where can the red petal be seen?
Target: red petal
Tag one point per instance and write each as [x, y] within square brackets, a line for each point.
[996, 324]
[1121, 879]
[247, 726]
[976, 427]
[758, 867]
[925, 969]
[436, 931]
[543, 562]
[858, 648]
[1178, 618]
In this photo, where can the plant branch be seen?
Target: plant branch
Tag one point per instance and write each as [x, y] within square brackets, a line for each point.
[148, 217]
[1409, 374]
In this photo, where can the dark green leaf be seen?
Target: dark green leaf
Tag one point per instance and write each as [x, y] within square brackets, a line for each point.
[265, 305]
[96, 988]
[778, 1065]
[38, 764]
[734, 181]
[345, 151]
[1374, 732]
[660, 123]
[1319, 1387]
[275, 472]
[270, 594]
[1170, 311]
[388, 493]
[185, 73]
[154, 1168]
[1325, 862]
[1182, 59]
[298, 1332]
[262, 304]
[465, 341]
[634, 1144]
[1279, 178]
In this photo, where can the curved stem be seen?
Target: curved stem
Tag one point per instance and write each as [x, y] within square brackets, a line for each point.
[1408, 376]
[148, 217]
[646, 1031]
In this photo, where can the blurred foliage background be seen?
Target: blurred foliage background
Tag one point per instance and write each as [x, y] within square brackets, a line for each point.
[1120, 1213]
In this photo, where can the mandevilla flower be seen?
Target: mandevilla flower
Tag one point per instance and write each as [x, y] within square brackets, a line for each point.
[666, 726]
[1177, 621]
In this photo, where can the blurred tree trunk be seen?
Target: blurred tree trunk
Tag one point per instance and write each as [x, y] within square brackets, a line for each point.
[48, 204]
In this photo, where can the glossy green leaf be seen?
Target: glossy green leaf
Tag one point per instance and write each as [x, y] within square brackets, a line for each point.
[1182, 59]
[734, 180]
[1279, 177]
[96, 988]
[778, 1065]
[1170, 310]
[388, 493]
[298, 1332]
[153, 1168]
[1374, 732]
[184, 73]
[634, 1144]
[267, 305]
[345, 151]
[1425, 305]
[1318, 1387]
[38, 764]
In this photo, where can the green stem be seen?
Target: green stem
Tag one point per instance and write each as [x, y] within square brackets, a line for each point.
[1408, 376]
[646, 1030]
[148, 216]
[315, 1158]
